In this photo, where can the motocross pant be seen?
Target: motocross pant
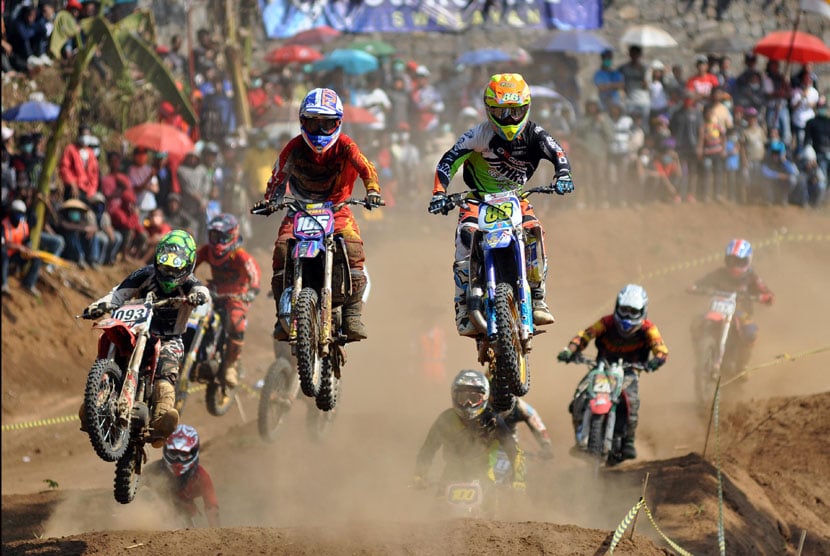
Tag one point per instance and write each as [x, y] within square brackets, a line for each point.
[535, 256]
[236, 311]
[171, 353]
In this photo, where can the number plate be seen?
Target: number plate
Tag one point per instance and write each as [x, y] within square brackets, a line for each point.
[131, 314]
[501, 210]
[313, 223]
[464, 494]
[722, 305]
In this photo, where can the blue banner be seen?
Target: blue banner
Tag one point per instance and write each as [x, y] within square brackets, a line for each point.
[286, 18]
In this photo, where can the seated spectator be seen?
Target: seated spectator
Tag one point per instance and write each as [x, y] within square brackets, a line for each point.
[668, 174]
[109, 238]
[16, 251]
[124, 214]
[780, 174]
[77, 226]
[174, 215]
[156, 226]
[26, 38]
[144, 181]
[814, 179]
[115, 181]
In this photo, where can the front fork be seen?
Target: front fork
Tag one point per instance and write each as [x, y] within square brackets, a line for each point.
[127, 396]
[722, 345]
[523, 288]
[325, 297]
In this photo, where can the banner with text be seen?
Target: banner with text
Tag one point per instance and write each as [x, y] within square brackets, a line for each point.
[286, 18]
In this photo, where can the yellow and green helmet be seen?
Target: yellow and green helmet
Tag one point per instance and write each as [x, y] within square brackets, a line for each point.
[174, 260]
[507, 100]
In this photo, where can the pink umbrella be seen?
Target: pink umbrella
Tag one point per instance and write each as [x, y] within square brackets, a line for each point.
[291, 53]
[160, 138]
[315, 35]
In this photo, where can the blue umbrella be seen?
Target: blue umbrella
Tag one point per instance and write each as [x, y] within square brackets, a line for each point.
[483, 56]
[577, 40]
[33, 111]
[352, 61]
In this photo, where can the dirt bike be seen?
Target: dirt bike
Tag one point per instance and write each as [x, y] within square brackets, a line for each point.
[476, 498]
[119, 388]
[279, 391]
[718, 344]
[498, 295]
[601, 409]
[317, 282]
[204, 345]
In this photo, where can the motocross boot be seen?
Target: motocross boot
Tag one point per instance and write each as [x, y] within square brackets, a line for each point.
[165, 417]
[461, 272]
[232, 353]
[541, 312]
[353, 327]
[628, 449]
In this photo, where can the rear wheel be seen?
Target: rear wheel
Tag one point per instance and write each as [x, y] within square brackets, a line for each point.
[707, 373]
[274, 399]
[109, 438]
[218, 399]
[128, 473]
[309, 362]
[329, 386]
[511, 362]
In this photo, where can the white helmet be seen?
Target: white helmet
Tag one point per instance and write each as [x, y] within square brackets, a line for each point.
[470, 393]
[631, 308]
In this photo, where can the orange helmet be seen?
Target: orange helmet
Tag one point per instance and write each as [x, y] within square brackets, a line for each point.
[507, 100]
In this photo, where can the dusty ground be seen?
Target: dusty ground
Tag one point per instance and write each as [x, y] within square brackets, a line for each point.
[348, 494]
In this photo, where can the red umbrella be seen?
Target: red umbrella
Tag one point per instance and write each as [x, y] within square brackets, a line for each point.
[805, 47]
[160, 138]
[357, 115]
[315, 35]
[293, 53]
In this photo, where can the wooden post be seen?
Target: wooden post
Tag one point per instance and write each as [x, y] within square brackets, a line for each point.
[634, 523]
[236, 67]
[801, 541]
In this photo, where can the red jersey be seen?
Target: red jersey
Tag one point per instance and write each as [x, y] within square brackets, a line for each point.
[237, 274]
[198, 485]
[327, 176]
[611, 345]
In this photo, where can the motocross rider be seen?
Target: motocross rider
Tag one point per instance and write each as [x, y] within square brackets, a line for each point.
[737, 275]
[524, 412]
[471, 435]
[234, 273]
[170, 275]
[322, 164]
[500, 154]
[180, 477]
[628, 335]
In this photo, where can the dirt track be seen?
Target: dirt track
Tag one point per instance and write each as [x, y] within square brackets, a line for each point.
[349, 493]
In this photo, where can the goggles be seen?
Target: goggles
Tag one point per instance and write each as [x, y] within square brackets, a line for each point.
[218, 236]
[736, 262]
[508, 114]
[171, 260]
[629, 312]
[469, 398]
[180, 456]
[320, 126]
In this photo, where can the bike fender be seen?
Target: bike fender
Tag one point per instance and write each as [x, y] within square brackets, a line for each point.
[713, 316]
[114, 332]
[600, 405]
[307, 249]
[497, 239]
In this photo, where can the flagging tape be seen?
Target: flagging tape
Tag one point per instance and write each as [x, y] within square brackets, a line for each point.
[629, 517]
[41, 423]
[776, 239]
[784, 357]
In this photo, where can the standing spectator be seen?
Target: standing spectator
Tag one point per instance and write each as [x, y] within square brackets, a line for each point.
[124, 214]
[659, 97]
[109, 239]
[752, 93]
[46, 21]
[806, 69]
[780, 174]
[803, 103]
[217, 118]
[428, 107]
[204, 52]
[676, 83]
[174, 215]
[753, 146]
[815, 180]
[750, 71]
[379, 104]
[637, 98]
[817, 134]
[27, 163]
[619, 154]
[778, 93]
[16, 249]
[156, 227]
[77, 226]
[144, 181]
[720, 112]
[116, 181]
[236, 195]
[732, 165]
[726, 78]
[702, 83]
[196, 188]
[609, 81]
[78, 167]
[401, 103]
[711, 151]
[685, 125]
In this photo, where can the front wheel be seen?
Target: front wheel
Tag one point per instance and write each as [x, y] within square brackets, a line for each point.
[274, 399]
[218, 399]
[511, 361]
[329, 386]
[109, 438]
[596, 434]
[309, 362]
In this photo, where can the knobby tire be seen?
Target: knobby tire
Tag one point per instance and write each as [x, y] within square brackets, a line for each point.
[511, 363]
[109, 439]
[127, 474]
[272, 399]
[308, 334]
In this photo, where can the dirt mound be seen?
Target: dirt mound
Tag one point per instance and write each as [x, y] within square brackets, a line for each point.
[352, 486]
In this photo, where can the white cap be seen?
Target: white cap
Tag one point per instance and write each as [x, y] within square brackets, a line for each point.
[809, 154]
[18, 206]
[658, 65]
[422, 71]
[7, 133]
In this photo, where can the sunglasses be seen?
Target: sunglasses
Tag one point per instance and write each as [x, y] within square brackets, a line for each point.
[320, 126]
[215, 236]
[629, 312]
[736, 262]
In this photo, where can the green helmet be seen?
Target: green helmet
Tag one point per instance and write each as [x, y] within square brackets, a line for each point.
[175, 259]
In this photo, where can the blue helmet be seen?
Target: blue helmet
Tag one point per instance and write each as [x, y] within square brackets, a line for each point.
[738, 257]
[321, 117]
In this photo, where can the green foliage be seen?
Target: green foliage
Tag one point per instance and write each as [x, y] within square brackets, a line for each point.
[65, 28]
[52, 484]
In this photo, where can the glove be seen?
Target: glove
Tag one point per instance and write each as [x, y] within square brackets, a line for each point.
[95, 311]
[563, 184]
[196, 298]
[653, 364]
[259, 205]
[766, 298]
[519, 486]
[418, 483]
[565, 355]
[373, 200]
[249, 296]
[438, 203]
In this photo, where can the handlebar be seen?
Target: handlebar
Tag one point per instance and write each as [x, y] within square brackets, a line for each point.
[579, 358]
[714, 291]
[463, 198]
[266, 209]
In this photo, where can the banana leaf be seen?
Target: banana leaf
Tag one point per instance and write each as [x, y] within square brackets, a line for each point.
[65, 28]
[102, 34]
[154, 70]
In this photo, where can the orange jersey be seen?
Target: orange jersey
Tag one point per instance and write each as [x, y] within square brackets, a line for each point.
[611, 345]
[327, 176]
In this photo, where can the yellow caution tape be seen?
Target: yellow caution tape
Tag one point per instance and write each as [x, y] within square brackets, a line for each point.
[778, 359]
[629, 517]
[41, 423]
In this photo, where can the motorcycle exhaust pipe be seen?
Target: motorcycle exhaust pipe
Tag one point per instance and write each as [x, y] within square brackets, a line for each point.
[475, 309]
